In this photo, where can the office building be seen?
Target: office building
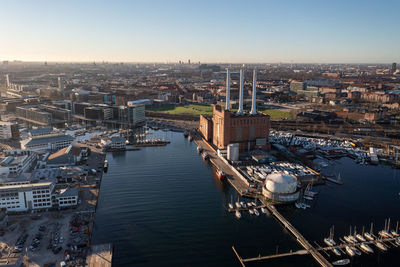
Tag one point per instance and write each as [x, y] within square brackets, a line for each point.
[8, 130]
[47, 142]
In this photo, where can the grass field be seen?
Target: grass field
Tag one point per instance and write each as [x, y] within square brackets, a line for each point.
[191, 109]
[194, 109]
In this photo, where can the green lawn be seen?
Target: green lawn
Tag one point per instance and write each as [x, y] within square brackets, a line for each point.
[188, 109]
[276, 113]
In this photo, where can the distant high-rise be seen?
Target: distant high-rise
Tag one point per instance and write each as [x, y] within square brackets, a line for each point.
[60, 84]
[7, 81]
[188, 61]
[394, 68]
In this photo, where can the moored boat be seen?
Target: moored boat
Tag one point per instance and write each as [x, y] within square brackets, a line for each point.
[380, 246]
[336, 252]
[256, 212]
[263, 210]
[330, 242]
[364, 247]
[251, 211]
[360, 237]
[341, 262]
[237, 214]
[221, 175]
[205, 155]
[349, 251]
[369, 236]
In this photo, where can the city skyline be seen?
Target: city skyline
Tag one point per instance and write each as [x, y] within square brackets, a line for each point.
[222, 32]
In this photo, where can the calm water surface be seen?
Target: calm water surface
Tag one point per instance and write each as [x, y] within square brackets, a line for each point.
[164, 206]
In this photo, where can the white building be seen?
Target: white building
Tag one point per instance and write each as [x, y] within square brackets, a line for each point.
[17, 161]
[23, 196]
[118, 142]
[47, 142]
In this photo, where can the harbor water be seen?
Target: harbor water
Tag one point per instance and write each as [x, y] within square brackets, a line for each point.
[164, 206]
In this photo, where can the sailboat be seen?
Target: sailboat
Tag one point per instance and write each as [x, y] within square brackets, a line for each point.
[329, 240]
[237, 203]
[237, 214]
[338, 180]
[231, 204]
[369, 235]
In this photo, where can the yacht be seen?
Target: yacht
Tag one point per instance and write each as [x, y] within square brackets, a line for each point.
[369, 236]
[384, 234]
[394, 233]
[348, 239]
[237, 214]
[263, 210]
[349, 251]
[341, 262]
[230, 205]
[364, 247]
[243, 204]
[356, 251]
[256, 212]
[360, 237]
[336, 251]
[380, 246]
[397, 241]
[251, 211]
[330, 242]
[237, 203]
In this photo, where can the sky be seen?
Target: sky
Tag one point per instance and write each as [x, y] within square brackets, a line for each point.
[213, 31]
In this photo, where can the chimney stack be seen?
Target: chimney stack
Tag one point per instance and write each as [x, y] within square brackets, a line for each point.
[228, 89]
[240, 110]
[253, 102]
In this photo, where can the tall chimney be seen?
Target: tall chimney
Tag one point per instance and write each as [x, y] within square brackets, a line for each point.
[253, 102]
[228, 89]
[240, 110]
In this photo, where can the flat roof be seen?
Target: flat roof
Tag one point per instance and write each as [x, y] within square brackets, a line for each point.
[48, 139]
[24, 186]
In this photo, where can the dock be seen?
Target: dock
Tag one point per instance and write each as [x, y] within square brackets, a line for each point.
[240, 185]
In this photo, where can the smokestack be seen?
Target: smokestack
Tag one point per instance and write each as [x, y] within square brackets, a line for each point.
[240, 110]
[253, 102]
[228, 89]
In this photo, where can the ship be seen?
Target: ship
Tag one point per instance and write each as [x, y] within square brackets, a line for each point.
[221, 175]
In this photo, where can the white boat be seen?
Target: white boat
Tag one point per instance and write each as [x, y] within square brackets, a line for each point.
[308, 198]
[230, 205]
[336, 251]
[251, 211]
[243, 204]
[369, 236]
[353, 239]
[348, 239]
[364, 247]
[385, 234]
[249, 204]
[380, 246]
[263, 210]
[237, 203]
[341, 262]
[253, 203]
[256, 212]
[349, 251]
[394, 233]
[360, 237]
[356, 251]
[397, 241]
[237, 214]
[330, 242]
[298, 205]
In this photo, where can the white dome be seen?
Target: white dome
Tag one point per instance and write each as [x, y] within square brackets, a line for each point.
[281, 183]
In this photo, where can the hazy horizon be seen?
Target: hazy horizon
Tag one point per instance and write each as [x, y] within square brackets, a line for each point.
[229, 32]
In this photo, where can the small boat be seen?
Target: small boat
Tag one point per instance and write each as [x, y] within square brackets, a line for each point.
[336, 251]
[263, 210]
[349, 251]
[380, 246]
[385, 234]
[330, 242]
[256, 212]
[105, 167]
[341, 262]
[253, 203]
[298, 205]
[364, 247]
[199, 149]
[243, 205]
[358, 253]
[397, 241]
[190, 138]
[186, 134]
[348, 239]
[221, 175]
[360, 237]
[237, 214]
[308, 198]
[394, 233]
[251, 211]
[237, 203]
[230, 205]
[369, 236]
[205, 155]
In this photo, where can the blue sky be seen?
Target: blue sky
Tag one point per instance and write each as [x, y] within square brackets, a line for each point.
[201, 30]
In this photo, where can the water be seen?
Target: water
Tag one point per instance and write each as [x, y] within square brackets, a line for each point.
[164, 206]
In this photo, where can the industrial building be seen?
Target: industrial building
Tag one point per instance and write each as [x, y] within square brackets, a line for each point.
[249, 130]
[47, 142]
